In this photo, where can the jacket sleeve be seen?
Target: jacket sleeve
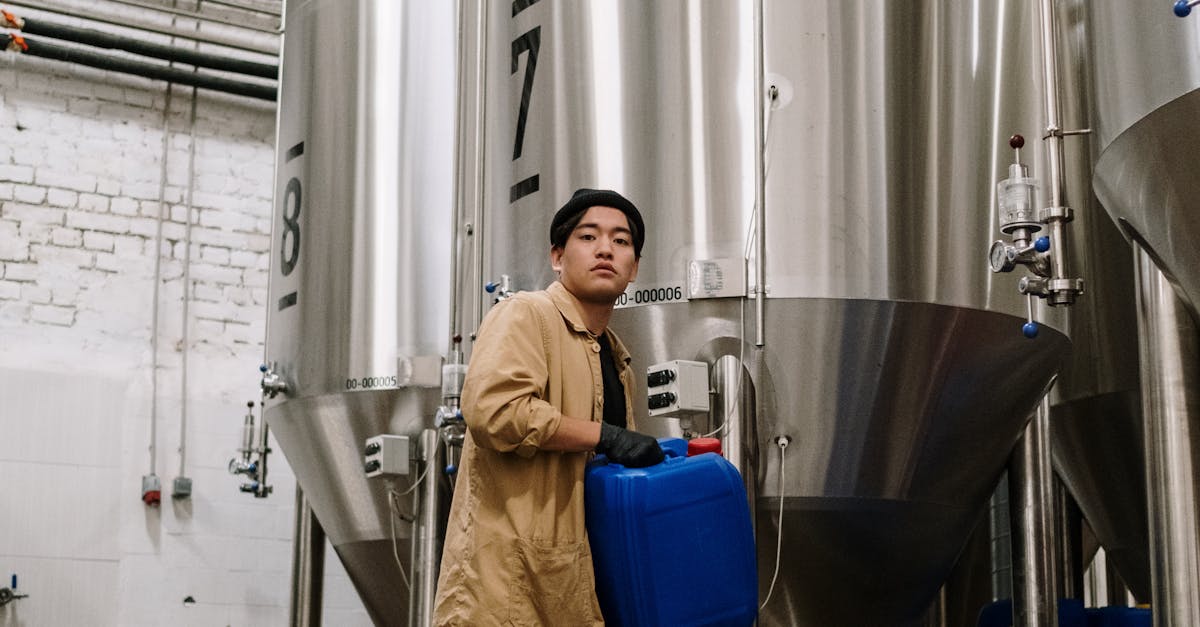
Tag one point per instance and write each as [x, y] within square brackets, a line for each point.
[504, 393]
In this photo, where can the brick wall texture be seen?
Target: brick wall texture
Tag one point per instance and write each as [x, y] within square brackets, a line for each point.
[113, 189]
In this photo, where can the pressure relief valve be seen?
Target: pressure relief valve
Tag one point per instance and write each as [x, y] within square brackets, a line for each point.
[1015, 196]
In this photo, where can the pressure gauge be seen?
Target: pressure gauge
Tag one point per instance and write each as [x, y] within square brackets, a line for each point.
[1002, 257]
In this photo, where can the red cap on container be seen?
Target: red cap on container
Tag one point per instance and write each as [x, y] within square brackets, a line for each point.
[696, 446]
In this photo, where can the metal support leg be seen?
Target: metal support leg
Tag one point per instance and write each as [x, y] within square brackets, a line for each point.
[1170, 371]
[427, 532]
[735, 404]
[1035, 545]
[308, 566]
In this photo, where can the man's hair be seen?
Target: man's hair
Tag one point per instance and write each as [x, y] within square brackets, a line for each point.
[568, 217]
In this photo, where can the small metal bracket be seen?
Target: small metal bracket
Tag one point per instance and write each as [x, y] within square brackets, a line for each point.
[1065, 214]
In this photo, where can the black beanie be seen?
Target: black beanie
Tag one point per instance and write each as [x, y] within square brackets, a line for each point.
[585, 199]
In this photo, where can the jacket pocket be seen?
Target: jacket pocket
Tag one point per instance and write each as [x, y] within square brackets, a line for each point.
[552, 585]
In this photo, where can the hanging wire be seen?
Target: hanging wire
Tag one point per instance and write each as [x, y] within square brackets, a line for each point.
[394, 509]
[779, 528]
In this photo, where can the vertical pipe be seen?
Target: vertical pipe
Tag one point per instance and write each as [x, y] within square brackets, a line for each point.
[263, 490]
[1170, 373]
[275, 177]
[154, 306]
[460, 167]
[308, 566]
[736, 418]
[187, 289]
[427, 545]
[482, 25]
[760, 180]
[1034, 539]
[1054, 153]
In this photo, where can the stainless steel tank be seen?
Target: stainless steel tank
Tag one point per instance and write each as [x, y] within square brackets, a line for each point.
[359, 288]
[1146, 103]
[1145, 100]
[891, 356]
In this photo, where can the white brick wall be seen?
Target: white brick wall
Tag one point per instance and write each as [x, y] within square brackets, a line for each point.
[80, 159]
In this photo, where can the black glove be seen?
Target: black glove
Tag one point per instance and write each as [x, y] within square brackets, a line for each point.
[628, 448]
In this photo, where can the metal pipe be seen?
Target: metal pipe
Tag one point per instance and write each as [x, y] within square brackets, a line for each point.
[481, 43]
[1034, 540]
[275, 181]
[100, 39]
[1063, 289]
[427, 534]
[1170, 374]
[124, 22]
[156, 289]
[187, 288]
[1050, 95]
[138, 68]
[460, 184]
[760, 181]
[735, 404]
[308, 566]
[265, 8]
[194, 15]
[261, 489]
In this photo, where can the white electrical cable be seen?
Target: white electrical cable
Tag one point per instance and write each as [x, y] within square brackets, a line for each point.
[783, 443]
[393, 513]
[394, 509]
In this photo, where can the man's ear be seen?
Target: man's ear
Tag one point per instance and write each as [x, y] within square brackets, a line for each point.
[556, 258]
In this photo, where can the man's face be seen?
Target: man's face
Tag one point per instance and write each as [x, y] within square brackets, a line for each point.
[598, 261]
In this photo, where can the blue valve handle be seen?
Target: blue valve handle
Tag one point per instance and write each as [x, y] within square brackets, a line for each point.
[451, 469]
[1183, 8]
[262, 368]
[1030, 329]
[1041, 244]
[490, 288]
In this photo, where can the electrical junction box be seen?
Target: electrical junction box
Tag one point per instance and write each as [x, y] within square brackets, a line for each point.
[386, 455]
[677, 388]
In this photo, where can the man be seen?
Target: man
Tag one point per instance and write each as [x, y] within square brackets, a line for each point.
[548, 384]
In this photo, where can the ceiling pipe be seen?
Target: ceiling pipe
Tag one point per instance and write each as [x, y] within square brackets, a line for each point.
[70, 54]
[143, 26]
[196, 15]
[100, 39]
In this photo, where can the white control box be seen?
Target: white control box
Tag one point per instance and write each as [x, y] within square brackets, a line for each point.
[677, 388]
[386, 455]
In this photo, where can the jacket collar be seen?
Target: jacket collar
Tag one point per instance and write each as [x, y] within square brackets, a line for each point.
[567, 305]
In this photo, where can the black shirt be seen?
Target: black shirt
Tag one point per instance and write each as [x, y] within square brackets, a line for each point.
[614, 391]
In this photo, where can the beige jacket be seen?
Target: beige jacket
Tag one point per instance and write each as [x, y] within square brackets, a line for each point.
[516, 550]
